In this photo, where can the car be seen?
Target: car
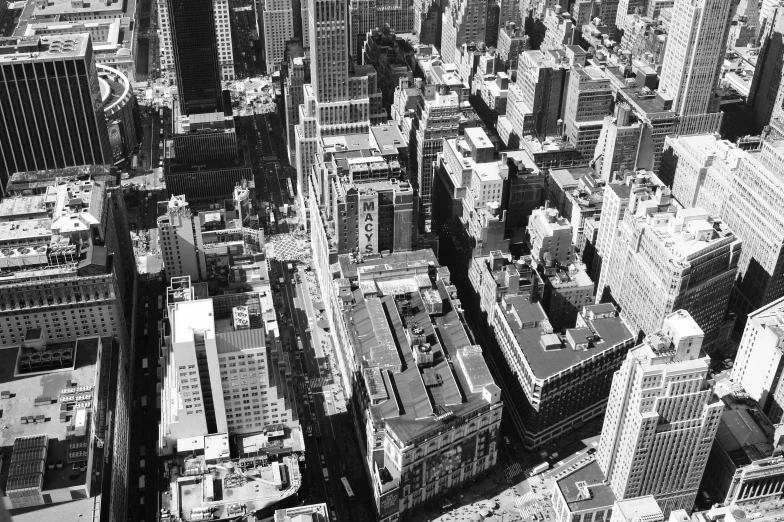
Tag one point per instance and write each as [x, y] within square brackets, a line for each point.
[591, 451]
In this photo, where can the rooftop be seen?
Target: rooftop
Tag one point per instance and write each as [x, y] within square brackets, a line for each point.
[19, 207]
[770, 316]
[66, 7]
[233, 320]
[34, 181]
[642, 509]
[309, 513]
[420, 368]
[346, 142]
[28, 49]
[529, 324]
[687, 233]
[388, 138]
[350, 266]
[231, 488]
[585, 490]
[573, 276]
[45, 401]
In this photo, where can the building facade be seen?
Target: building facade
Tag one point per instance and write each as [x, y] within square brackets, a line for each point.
[661, 418]
[759, 361]
[278, 19]
[220, 368]
[195, 52]
[556, 381]
[44, 128]
[670, 260]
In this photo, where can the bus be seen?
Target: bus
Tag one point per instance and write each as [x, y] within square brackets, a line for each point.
[290, 188]
[347, 487]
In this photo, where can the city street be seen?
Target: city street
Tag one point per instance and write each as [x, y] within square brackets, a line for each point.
[143, 503]
[330, 439]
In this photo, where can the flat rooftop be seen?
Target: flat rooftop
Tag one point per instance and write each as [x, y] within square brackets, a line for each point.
[28, 49]
[309, 513]
[350, 269]
[546, 363]
[16, 207]
[640, 508]
[35, 230]
[388, 138]
[347, 142]
[65, 7]
[594, 495]
[451, 384]
[232, 489]
[192, 315]
[28, 394]
[688, 233]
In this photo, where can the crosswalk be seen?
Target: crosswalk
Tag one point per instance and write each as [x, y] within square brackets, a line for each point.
[512, 471]
[318, 382]
[525, 499]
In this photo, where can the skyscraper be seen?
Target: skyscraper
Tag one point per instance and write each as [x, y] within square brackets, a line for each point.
[51, 113]
[278, 18]
[758, 365]
[223, 39]
[200, 394]
[342, 98]
[195, 47]
[693, 59]
[664, 260]
[661, 417]
[746, 190]
[464, 21]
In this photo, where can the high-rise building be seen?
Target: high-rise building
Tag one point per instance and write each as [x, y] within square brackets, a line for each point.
[220, 370]
[551, 237]
[661, 417]
[293, 94]
[464, 21]
[204, 242]
[70, 273]
[399, 14]
[745, 468]
[195, 49]
[223, 39]
[200, 137]
[342, 98]
[546, 375]
[693, 60]
[364, 18]
[511, 42]
[614, 204]
[278, 19]
[492, 22]
[419, 343]
[50, 105]
[375, 216]
[745, 189]
[589, 99]
[759, 361]
[438, 116]
[566, 291]
[536, 99]
[618, 145]
[766, 85]
[427, 21]
[38, 384]
[666, 260]
[168, 68]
